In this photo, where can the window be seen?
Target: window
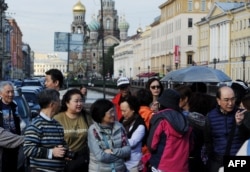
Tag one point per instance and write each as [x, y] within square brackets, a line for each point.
[190, 22]
[108, 24]
[190, 5]
[189, 59]
[203, 5]
[189, 39]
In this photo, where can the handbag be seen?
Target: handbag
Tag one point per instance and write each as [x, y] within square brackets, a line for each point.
[80, 162]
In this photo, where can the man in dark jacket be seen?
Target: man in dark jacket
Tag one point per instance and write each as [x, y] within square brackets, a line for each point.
[223, 130]
[10, 121]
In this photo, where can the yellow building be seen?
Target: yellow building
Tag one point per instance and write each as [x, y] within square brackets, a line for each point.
[224, 40]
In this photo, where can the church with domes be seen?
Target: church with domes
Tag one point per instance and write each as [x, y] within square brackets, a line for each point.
[89, 62]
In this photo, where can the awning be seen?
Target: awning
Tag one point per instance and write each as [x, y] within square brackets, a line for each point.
[147, 74]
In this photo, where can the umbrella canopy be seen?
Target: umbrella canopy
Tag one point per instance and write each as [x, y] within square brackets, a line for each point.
[197, 74]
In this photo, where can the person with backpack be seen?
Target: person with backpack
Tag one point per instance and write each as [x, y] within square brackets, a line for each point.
[169, 135]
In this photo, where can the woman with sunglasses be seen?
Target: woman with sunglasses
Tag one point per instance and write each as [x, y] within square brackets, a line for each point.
[156, 88]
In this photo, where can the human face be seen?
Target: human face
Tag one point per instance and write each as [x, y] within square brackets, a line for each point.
[84, 91]
[155, 88]
[7, 94]
[75, 104]
[49, 83]
[109, 117]
[56, 106]
[124, 90]
[226, 100]
[126, 111]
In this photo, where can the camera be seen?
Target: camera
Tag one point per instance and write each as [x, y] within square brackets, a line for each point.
[69, 154]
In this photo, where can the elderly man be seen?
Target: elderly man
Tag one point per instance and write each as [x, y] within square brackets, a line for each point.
[223, 129]
[10, 121]
[44, 138]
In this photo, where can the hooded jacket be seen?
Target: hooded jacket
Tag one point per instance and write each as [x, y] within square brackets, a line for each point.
[169, 141]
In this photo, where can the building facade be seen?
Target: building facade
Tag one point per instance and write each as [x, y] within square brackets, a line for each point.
[177, 39]
[89, 62]
[224, 39]
[44, 62]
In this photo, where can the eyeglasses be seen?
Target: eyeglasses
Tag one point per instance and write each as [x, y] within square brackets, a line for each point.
[155, 87]
[229, 99]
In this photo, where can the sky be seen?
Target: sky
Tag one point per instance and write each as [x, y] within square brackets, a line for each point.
[39, 19]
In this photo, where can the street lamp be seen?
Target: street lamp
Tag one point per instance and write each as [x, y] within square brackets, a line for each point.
[130, 72]
[103, 59]
[163, 72]
[215, 61]
[243, 58]
[148, 72]
[139, 72]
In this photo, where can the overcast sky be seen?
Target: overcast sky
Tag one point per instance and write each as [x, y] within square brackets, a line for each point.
[39, 19]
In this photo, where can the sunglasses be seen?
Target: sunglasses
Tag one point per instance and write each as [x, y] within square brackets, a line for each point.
[123, 87]
[155, 87]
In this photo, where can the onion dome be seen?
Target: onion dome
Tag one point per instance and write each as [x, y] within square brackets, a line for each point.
[123, 25]
[79, 7]
[94, 25]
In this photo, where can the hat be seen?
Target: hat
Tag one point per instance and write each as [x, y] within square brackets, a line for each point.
[170, 99]
[122, 81]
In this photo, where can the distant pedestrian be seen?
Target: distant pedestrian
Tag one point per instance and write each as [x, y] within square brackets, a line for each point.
[123, 85]
[84, 92]
[156, 88]
[44, 143]
[54, 79]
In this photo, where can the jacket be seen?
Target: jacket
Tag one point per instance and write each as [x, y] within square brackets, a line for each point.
[117, 141]
[218, 128]
[8, 140]
[169, 141]
[116, 101]
[136, 136]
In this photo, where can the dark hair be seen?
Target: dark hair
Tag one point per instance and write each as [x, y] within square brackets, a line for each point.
[133, 103]
[99, 108]
[144, 97]
[201, 103]
[56, 75]
[67, 96]
[82, 86]
[246, 102]
[47, 96]
[184, 91]
[152, 80]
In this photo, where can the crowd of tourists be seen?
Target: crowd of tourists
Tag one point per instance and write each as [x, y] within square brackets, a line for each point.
[182, 129]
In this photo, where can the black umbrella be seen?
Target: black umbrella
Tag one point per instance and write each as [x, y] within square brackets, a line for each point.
[197, 74]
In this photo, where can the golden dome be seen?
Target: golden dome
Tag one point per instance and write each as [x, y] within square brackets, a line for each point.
[79, 7]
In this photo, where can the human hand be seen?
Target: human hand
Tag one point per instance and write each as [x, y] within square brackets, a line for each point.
[239, 116]
[58, 151]
[109, 151]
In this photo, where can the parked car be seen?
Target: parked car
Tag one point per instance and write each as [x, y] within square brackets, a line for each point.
[32, 82]
[31, 95]
[26, 116]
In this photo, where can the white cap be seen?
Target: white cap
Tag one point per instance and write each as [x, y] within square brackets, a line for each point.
[123, 81]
